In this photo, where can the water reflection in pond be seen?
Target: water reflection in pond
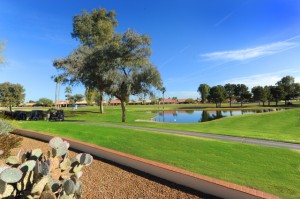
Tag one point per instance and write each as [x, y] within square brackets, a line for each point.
[191, 116]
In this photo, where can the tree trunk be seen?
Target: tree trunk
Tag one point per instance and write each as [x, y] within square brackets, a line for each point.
[276, 102]
[101, 101]
[284, 102]
[241, 103]
[123, 110]
[56, 89]
[263, 103]
[10, 109]
[216, 104]
[269, 102]
[230, 102]
[258, 103]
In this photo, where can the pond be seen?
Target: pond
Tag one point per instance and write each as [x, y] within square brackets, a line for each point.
[192, 116]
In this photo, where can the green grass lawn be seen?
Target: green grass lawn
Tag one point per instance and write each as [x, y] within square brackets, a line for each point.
[269, 169]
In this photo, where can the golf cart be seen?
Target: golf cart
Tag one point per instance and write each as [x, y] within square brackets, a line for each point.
[36, 115]
[55, 115]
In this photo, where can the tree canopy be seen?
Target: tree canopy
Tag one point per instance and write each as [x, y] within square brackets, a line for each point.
[259, 94]
[290, 88]
[106, 61]
[217, 94]
[203, 89]
[45, 102]
[95, 28]
[242, 93]
[230, 89]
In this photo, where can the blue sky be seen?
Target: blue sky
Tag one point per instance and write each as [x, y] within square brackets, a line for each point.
[255, 42]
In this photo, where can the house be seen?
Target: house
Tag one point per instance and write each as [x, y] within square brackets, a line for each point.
[114, 103]
[27, 104]
[167, 101]
[62, 103]
[181, 101]
[132, 102]
[147, 102]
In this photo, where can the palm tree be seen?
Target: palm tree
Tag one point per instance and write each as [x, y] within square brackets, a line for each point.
[57, 80]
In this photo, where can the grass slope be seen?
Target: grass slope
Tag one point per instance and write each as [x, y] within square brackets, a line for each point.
[269, 169]
[281, 126]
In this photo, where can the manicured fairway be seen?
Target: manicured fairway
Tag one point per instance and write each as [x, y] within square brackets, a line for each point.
[269, 169]
[280, 126]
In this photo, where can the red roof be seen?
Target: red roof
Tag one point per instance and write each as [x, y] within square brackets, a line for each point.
[168, 101]
[115, 102]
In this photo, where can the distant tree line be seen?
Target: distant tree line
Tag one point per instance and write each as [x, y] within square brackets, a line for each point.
[286, 89]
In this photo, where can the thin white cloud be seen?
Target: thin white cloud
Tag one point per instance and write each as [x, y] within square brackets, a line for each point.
[265, 79]
[250, 53]
[223, 19]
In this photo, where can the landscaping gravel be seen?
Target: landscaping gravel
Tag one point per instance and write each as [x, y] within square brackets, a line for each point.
[104, 179]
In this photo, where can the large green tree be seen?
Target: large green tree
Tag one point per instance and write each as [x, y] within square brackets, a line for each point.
[131, 70]
[11, 94]
[242, 93]
[230, 88]
[203, 90]
[217, 94]
[95, 30]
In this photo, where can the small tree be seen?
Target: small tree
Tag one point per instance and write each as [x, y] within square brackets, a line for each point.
[89, 96]
[11, 94]
[217, 94]
[203, 90]
[277, 93]
[268, 95]
[242, 93]
[45, 102]
[230, 88]
[259, 94]
[78, 98]
[190, 101]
